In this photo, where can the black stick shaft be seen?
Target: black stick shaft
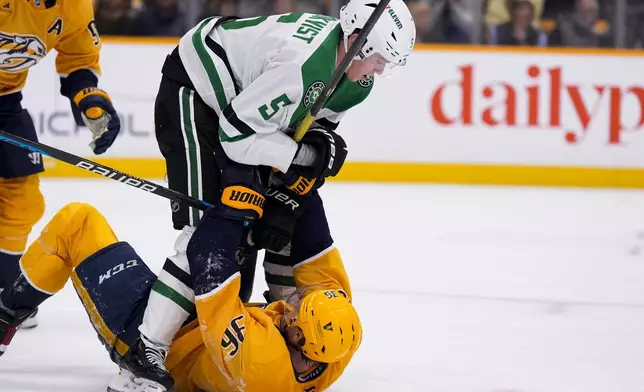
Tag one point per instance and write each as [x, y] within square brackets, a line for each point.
[102, 170]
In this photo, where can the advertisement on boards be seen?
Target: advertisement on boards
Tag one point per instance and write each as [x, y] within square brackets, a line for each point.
[505, 108]
[448, 106]
[130, 74]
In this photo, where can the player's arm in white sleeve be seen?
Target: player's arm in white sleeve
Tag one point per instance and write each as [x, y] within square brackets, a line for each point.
[251, 126]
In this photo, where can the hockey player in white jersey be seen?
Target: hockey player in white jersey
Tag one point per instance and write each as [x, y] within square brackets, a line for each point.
[231, 93]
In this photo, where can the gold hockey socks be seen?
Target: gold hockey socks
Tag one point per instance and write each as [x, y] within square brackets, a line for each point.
[21, 206]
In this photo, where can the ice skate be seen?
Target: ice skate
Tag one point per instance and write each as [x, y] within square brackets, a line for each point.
[146, 362]
[125, 381]
[10, 322]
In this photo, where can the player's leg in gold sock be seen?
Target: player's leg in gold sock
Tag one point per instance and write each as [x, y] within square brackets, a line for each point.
[21, 206]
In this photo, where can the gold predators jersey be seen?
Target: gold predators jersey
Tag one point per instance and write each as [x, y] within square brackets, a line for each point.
[238, 348]
[29, 29]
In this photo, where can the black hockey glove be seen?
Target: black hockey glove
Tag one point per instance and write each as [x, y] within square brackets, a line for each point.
[282, 209]
[331, 152]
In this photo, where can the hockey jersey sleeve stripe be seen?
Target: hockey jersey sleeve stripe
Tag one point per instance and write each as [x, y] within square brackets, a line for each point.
[223, 136]
[209, 67]
[206, 70]
[233, 119]
[237, 24]
[221, 53]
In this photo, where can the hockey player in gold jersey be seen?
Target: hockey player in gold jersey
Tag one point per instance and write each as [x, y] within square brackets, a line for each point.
[29, 29]
[303, 344]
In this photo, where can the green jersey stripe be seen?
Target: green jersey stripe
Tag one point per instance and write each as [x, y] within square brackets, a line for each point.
[171, 294]
[209, 65]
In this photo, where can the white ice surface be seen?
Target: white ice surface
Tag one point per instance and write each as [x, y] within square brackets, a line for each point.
[460, 289]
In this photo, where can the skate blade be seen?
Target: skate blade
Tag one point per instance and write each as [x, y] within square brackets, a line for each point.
[125, 381]
[31, 322]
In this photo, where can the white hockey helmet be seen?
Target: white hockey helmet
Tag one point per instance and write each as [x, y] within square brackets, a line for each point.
[393, 36]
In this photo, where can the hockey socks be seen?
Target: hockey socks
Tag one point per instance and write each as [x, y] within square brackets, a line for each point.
[21, 206]
[18, 302]
[21, 294]
[172, 298]
[9, 269]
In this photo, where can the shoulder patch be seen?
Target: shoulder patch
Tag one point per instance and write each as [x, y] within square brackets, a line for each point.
[313, 93]
[366, 82]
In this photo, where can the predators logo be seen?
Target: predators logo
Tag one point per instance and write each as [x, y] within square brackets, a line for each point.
[19, 52]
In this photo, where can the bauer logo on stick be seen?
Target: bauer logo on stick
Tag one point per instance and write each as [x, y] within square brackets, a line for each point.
[117, 175]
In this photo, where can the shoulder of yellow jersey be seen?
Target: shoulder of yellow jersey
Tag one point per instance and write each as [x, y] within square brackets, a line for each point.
[78, 13]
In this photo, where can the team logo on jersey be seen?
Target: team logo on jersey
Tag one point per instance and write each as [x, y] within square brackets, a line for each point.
[366, 82]
[19, 52]
[313, 93]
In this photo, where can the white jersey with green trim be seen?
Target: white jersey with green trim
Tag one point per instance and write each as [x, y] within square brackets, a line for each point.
[262, 75]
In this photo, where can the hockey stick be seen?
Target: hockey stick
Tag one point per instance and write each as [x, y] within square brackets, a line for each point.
[353, 50]
[104, 171]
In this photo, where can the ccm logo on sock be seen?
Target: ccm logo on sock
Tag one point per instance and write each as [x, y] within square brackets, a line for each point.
[119, 268]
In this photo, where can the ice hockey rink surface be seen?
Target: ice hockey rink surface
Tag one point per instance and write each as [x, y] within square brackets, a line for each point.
[460, 288]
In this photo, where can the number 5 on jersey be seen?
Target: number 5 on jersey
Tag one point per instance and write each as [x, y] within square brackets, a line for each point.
[234, 336]
[276, 105]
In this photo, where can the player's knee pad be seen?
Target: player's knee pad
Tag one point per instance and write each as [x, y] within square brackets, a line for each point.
[21, 207]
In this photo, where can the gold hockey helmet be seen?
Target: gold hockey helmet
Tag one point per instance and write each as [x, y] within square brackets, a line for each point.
[329, 323]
